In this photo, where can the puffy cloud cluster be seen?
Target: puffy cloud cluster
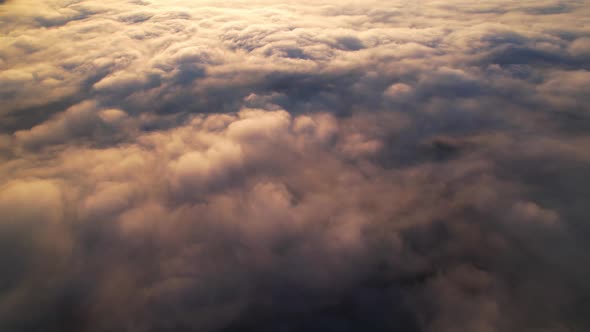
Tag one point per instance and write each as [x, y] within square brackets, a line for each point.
[263, 166]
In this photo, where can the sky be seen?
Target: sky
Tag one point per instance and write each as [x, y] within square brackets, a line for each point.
[241, 166]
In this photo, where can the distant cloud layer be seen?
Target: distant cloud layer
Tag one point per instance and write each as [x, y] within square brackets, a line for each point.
[265, 166]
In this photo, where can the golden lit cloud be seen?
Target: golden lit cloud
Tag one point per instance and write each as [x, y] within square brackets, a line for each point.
[294, 166]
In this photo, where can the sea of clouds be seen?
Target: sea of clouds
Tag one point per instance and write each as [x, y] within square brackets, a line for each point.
[175, 166]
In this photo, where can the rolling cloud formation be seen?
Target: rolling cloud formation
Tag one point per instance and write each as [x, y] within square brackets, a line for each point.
[294, 166]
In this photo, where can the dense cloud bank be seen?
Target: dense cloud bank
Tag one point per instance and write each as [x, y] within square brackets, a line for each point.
[263, 166]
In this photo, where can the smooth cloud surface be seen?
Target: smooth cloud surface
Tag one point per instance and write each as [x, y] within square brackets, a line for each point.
[264, 166]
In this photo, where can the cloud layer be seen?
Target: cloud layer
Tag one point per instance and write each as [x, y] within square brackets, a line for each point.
[263, 166]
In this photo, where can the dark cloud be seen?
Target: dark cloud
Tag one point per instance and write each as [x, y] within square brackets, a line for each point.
[179, 166]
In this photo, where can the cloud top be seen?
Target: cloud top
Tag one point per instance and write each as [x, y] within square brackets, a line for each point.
[263, 166]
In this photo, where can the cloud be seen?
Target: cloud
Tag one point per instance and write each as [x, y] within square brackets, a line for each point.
[197, 166]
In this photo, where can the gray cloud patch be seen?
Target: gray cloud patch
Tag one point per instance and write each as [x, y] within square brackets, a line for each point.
[181, 166]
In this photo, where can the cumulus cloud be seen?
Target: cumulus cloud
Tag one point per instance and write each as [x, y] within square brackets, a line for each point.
[264, 166]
